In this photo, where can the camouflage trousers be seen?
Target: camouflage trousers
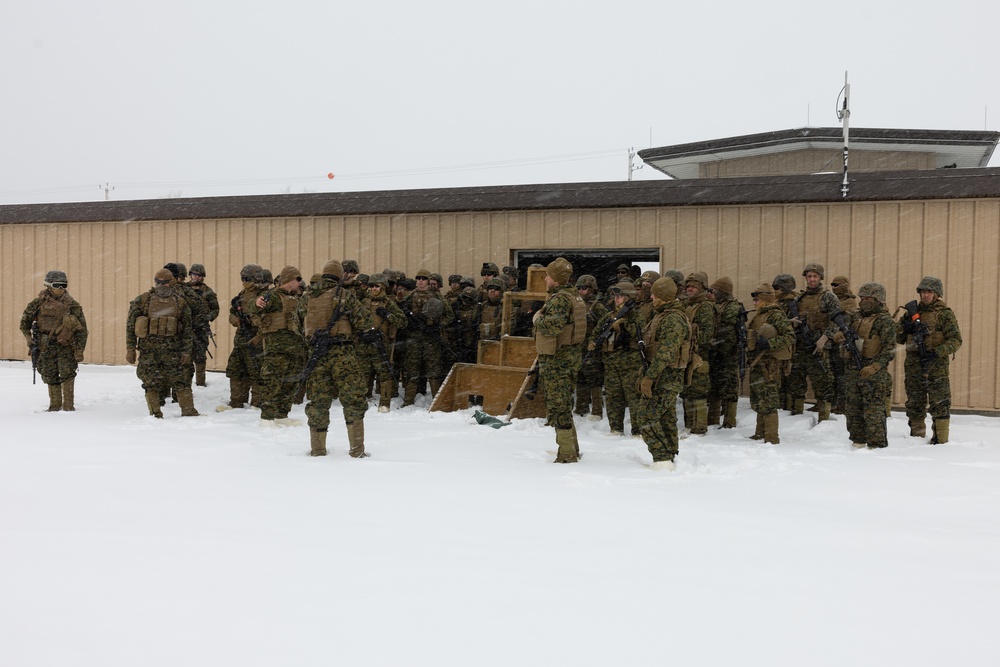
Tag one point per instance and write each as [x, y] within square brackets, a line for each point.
[865, 406]
[56, 363]
[658, 416]
[373, 368]
[931, 395]
[816, 368]
[621, 373]
[159, 367]
[724, 378]
[423, 358]
[838, 368]
[701, 383]
[336, 374]
[589, 384]
[244, 362]
[557, 377]
[765, 383]
[280, 374]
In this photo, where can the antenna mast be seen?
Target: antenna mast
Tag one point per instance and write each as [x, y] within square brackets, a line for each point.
[844, 114]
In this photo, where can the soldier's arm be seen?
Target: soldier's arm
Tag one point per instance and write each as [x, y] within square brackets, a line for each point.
[785, 337]
[212, 303]
[885, 329]
[30, 313]
[356, 313]
[133, 313]
[82, 334]
[557, 314]
[948, 325]
[272, 304]
[185, 331]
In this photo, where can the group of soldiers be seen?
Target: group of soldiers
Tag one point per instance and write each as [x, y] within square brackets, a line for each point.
[654, 339]
[638, 345]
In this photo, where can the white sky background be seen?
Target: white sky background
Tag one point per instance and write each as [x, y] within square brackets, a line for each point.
[225, 98]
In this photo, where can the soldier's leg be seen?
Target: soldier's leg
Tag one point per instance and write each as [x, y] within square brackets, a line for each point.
[823, 384]
[659, 425]
[916, 396]
[615, 397]
[873, 396]
[796, 385]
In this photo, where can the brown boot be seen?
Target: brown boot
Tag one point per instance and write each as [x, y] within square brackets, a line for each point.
[771, 428]
[356, 439]
[199, 374]
[688, 405]
[68, 394]
[729, 414]
[759, 433]
[824, 410]
[940, 430]
[153, 403]
[798, 405]
[569, 448]
[596, 403]
[317, 442]
[186, 400]
[714, 412]
[55, 398]
[239, 392]
[700, 425]
[918, 429]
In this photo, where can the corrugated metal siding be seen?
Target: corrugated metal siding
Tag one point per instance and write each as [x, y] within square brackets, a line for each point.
[893, 243]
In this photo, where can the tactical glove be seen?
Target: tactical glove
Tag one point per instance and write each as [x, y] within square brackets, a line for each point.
[130, 356]
[617, 326]
[591, 346]
[382, 312]
[646, 386]
[78, 355]
[838, 337]
[821, 344]
[369, 336]
[869, 370]
[763, 344]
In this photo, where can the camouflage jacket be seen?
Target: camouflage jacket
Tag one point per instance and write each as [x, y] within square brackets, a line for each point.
[670, 329]
[59, 307]
[727, 322]
[877, 333]
[182, 340]
[209, 297]
[784, 339]
[702, 313]
[945, 337]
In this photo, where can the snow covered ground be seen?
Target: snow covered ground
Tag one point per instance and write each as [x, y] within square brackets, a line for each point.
[210, 541]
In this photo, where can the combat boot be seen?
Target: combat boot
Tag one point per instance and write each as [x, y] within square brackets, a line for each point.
[771, 428]
[714, 412]
[239, 392]
[356, 439]
[569, 448]
[940, 430]
[798, 406]
[55, 398]
[596, 404]
[186, 400]
[759, 433]
[824, 410]
[729, 414]
[317, 442]
[700, 415]
[918, 429]
[68, 394]
[199, 374]
[153, 403]
[688, 405]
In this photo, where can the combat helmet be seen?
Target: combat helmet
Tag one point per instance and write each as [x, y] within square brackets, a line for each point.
[873, 290]
[55, 277]
[933, 284]
[814, 266]
[588, 281]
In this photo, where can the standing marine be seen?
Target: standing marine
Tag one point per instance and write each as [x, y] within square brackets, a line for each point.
[701, 312]
[160, 327]
[202, 334]
[817, 307]
[867, 390]
[770, 344]
[375, 356]
[841, 286]
[724, 354]
[929, 329]
[668, 344]
[590, 381]
[621, 357]
[333, 315]
[560, 329]
[243, 366]
[56, 332]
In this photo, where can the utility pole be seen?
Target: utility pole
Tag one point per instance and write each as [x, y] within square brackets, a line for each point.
[107, 190]
[844, 114]
[631, 167]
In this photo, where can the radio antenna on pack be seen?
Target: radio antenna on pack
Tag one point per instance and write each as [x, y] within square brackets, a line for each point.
[844, 114]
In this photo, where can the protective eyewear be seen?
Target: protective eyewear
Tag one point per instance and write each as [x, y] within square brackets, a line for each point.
[58, 285]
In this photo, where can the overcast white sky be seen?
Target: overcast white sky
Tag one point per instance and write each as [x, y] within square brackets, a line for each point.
[216, 97]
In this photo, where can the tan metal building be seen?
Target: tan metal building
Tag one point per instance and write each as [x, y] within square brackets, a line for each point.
[894, 227]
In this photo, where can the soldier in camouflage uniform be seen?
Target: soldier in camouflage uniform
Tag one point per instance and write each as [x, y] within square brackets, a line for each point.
[678, 277]
[841, 286]
[784, 289]
[491, 310]
[243, 366]
[199, 313]
[350, 279]
[590, 381]
[644, 300]
[560, 329]
[202, 336]
[701, 312]
[621, 357]
[284, 347]
[333, 310]
[463, 334]
[814, 330]
[428, 314]
[927, 382]
[724, 355]
[61, 334]
[668, 343]
[161, 327]
[867, 390]
[454, 289]
[375, 354]
[770, 344]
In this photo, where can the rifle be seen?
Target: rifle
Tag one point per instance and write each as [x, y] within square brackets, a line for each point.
[741, 342]
[916, 328]
[642, 349]
[35, 350]
[529, 393]
[850, 339]
[321, 342]
[419, 322]
[606, 330]
[375, 338]
[245, 329]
